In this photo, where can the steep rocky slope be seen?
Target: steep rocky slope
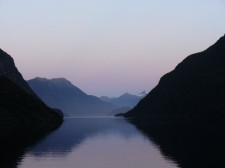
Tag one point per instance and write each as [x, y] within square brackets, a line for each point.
[194, 89]
[18, 103]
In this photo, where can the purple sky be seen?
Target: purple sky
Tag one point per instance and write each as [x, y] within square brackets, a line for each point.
[107, 47]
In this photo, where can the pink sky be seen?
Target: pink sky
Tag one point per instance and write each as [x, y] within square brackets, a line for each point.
[107, 47]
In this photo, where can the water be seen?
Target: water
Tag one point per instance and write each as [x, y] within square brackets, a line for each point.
[95, 143]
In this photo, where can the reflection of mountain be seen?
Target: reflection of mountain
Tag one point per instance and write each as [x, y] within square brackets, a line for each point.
[125, 100]
[190, 145]
[14, 141]
[194, 89]
[75, 131]
[61, 93]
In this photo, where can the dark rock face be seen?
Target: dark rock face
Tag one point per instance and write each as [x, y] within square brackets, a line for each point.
[16, 140]
[18, 103]
[17, 106]
[189, 144]
[195, 88]
[9, 70]
[62, 94]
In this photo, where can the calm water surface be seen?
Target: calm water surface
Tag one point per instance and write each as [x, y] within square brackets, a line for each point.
[95, 143]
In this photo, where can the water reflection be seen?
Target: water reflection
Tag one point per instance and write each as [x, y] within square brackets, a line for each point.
[95, 143]
[190, 144]
[15, 140]
[75, 131]
[115, 143]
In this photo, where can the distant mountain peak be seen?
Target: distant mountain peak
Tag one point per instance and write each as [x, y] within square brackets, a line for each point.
[60, 80]
[53, 79]
[126, 94]
[61, 93]
[41, 79]
[142, 94]
[63, 82]
[125, 100]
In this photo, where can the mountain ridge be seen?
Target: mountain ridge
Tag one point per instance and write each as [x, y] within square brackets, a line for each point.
[61, 93]
[193, 89]
[9, 70]
[19, 105]
[125, 100]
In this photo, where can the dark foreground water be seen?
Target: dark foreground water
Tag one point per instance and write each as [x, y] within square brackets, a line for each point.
[95, 143]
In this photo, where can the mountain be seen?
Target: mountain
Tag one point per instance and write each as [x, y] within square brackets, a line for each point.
[61, 93]
[18, 103]
[194, 89]
[120, 111]
[9, 70]
[125, 100]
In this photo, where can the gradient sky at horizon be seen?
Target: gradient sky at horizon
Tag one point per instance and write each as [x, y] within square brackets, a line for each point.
[107, 47]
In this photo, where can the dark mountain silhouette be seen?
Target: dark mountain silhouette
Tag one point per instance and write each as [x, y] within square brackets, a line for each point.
[9, 70]
[194, 89]
[18, 103]
[125, 100]
[191, 144]
[62, 94]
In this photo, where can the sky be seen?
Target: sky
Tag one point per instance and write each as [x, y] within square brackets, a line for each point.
[107, 47]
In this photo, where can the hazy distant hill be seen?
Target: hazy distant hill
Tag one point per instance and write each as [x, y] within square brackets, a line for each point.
[194, 89]
[61, 93]
[120, 111]
[18, 103]
[125, 100]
